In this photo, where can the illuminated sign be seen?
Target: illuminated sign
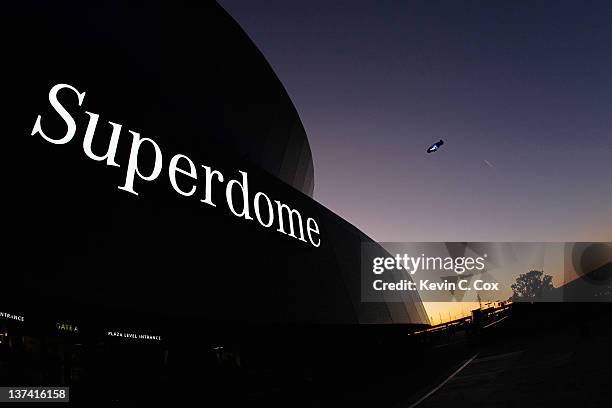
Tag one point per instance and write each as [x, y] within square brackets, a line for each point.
[11, 316]
[67, 327]
[287, 220]
[135, 336]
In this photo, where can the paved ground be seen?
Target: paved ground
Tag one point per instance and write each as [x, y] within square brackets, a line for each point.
[556, 370]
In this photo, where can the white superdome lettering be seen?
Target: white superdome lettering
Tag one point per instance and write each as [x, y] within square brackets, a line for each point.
[59, 108]
[145, 164]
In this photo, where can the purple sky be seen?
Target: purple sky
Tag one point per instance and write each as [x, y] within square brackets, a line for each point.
[526, 87]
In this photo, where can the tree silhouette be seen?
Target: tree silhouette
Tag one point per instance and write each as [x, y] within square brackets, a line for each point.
[531, 285]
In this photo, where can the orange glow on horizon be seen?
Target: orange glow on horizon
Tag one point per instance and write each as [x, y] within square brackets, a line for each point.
[442, 312]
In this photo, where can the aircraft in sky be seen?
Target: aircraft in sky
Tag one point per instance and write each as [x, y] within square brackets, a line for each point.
[434, 147]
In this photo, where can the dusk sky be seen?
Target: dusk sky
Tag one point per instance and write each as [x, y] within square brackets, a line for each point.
[520, 93]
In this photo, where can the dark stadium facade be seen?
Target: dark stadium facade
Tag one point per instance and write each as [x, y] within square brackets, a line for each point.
[102, 278]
